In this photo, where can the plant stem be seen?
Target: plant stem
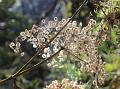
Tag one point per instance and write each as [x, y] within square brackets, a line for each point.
[70, 53]
[39, 51]
[30, 68]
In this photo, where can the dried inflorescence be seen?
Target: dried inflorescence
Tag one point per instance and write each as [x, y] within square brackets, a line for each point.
[79, 41]
[65, 84]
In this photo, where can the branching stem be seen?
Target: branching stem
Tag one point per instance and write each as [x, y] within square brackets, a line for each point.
[30, 68]
[19, 72]
[70, 53]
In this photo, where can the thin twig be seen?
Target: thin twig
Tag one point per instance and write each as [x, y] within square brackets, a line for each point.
[30, 68]
[39, 51]
[69, 20]
[103, 12]
[38, 64]
[70, 53]
[110, 26]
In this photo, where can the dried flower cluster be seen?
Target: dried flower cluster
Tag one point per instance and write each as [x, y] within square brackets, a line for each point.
[79, 41]
[65, 84]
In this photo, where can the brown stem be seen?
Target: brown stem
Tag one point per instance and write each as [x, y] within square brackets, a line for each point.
[38, 64]
[70, 53]
[110, 26]
[38, 52]
[4, 80]
[30, 68]
[50, 40]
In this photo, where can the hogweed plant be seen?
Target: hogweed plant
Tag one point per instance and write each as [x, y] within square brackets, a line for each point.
[74, 40]
[64, 84]
[55, 39]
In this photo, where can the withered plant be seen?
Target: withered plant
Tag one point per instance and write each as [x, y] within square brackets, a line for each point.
[57, 38]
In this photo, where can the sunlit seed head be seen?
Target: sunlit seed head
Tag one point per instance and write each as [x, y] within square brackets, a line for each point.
[43, 21]
[22, 54]
[12, 44]
[34, 46]
[55, 19]
[44, 56]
